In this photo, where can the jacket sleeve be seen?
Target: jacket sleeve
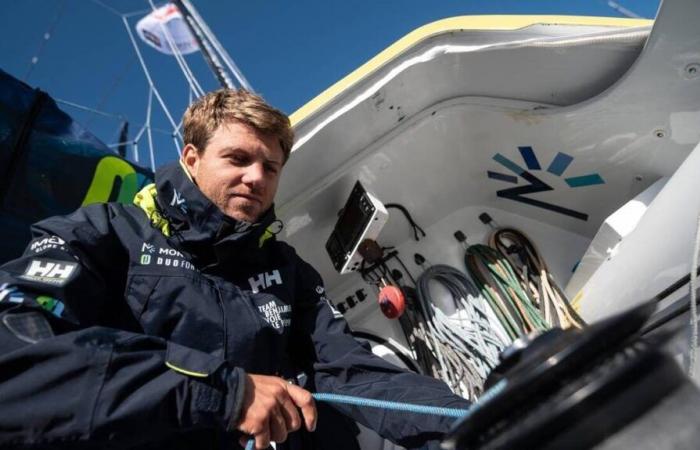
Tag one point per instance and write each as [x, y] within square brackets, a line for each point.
[65, 377]
[341, 365]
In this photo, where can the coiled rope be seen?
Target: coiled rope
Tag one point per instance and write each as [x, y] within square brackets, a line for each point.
[535, 278]
[466, 346]
[501, 286]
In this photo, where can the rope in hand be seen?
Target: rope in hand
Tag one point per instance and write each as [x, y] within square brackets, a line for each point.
[384, 404]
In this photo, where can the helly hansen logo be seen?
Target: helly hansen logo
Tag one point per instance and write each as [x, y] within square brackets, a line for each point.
[49, 271]
[264, 280]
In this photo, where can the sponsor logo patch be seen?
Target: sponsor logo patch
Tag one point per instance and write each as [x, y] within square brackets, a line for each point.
[49, 271]
[50, 304]
[163, 256]
[278, 316]
[42, 244]
[11, 294]
[178, 201]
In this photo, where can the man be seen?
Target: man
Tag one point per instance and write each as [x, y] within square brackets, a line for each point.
[175, 322]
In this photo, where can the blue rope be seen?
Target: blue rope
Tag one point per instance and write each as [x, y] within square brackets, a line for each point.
[384, 404]
[393, 406]
[405, 407]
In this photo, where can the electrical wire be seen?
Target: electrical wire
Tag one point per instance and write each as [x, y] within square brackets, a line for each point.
[414, 226]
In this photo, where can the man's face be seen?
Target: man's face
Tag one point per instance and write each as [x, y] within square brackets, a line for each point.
[238, 170]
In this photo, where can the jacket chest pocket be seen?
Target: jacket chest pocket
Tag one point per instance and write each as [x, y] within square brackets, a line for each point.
[259, 327]
[185, 309]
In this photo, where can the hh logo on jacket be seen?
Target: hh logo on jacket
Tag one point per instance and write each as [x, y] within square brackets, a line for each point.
[50, 271]
[264, 280]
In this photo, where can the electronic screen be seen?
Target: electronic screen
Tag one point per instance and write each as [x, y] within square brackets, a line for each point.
[359, 212]
[352, 220]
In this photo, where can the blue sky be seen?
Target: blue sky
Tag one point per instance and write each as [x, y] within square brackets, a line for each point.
[290, 51]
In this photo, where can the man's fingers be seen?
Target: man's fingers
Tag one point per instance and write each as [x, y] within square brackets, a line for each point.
[291, 414]
[270, 410]
[303, 399]
[243, 440]
[278, 426]
[262, 439]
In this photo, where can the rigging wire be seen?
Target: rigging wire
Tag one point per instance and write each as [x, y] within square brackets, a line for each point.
[134, 142]
[195, 88]
[89, 109]
[149, 134]
[622, 10]
[109, 91]
[107, 7]
[208, 53]
[220, 50]
[45, 38]
[107, 114]
[118, 13]
[152, 86]
[177, 144]
[189, 76]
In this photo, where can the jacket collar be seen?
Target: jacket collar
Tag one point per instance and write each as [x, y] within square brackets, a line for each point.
[195, 220]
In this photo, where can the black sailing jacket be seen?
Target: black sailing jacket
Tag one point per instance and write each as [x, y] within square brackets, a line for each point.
[126, 326]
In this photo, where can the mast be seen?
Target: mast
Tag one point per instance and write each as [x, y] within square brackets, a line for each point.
[211, 48]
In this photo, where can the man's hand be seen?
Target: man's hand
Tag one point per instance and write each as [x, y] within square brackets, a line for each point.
[270, 412]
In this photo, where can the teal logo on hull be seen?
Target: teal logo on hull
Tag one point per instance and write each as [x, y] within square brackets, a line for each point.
[559, 164]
